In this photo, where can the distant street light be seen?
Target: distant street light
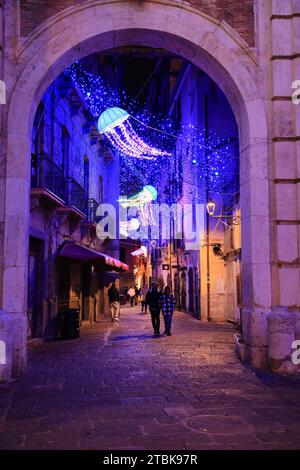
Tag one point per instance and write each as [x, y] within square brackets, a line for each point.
[211, 207]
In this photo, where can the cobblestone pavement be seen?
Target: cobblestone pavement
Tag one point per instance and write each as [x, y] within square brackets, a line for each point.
[118, 387]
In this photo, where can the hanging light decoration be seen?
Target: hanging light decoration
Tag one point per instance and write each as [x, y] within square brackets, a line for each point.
[140, 252]
[115, 125]
[145, 196]
[128, 226]
[211, 157]
[142, 200]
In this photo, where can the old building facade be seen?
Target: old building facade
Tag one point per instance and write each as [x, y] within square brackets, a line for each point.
[205, 280]
[71, 174]
[253, 56]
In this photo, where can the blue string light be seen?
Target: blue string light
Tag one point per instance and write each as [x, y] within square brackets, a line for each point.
[202, 158]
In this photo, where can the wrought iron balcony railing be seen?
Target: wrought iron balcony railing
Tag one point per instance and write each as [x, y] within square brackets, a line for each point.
[75, 195]
[92, 205]
[47, 175]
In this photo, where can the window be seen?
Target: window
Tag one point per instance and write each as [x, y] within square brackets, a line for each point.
[86, 169]
[101, 190]
[65, 146]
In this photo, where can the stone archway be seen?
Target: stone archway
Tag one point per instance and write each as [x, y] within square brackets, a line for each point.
[209, 44]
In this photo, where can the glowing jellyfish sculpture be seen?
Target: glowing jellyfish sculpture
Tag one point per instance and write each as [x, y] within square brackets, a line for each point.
[115, 124]
[142, 200]
[127, 226]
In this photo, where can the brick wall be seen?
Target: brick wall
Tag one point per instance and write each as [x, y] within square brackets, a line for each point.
[238, 14]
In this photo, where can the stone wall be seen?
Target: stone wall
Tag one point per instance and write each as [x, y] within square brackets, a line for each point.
[283, 56]
[285, 166]
[57, 114]
[239, 15]
[6, 339]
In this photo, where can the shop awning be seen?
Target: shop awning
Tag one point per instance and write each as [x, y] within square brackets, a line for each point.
[76, 250]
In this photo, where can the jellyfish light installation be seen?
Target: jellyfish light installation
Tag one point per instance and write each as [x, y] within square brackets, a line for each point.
[128, 226]
[115, 125]
[142, 200]
[145, 196]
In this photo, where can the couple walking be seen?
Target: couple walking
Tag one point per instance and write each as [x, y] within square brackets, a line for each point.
[161, 302]
[157, 302]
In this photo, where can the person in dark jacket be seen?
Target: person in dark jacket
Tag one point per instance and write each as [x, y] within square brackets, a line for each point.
[152, 299]
[167, 303]
[144, 293]
[114, 302]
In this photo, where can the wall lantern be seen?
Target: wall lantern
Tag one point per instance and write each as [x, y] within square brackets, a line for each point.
[233, 219]
[210, 207]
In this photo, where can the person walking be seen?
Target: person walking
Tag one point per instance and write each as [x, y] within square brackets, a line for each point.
[137, 295]
[114, 302]
[131, 293]
[152, 299]
[144, 292]
[167, 304]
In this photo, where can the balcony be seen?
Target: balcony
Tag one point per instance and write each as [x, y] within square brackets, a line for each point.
[47, 180]
[76, 201]
[76, 196]
[49, 184]
[92, 206]
[89, 225]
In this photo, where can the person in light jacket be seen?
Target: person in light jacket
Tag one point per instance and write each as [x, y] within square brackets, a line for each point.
[131, 293]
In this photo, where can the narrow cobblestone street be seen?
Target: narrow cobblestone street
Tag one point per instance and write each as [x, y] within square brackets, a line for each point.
[118, 387]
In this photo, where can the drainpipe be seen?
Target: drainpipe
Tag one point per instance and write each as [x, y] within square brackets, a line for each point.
[170, 261]
[207, 215]
[178, 281]
[52, 122]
